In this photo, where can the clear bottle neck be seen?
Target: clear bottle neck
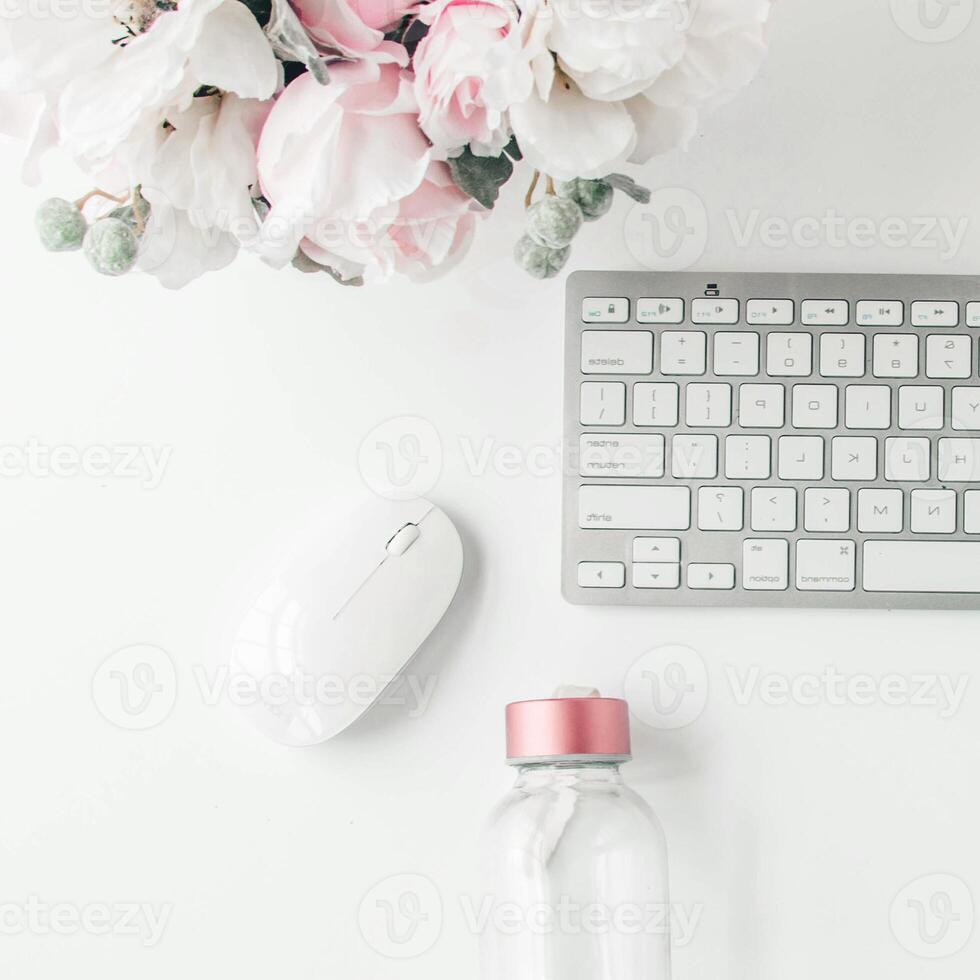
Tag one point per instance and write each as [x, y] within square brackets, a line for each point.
[539, 773]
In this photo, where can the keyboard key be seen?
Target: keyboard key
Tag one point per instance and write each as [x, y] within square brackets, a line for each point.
[721, 508]
[634, 508]
[628, 455]
[949, 356]
[761, 406]
[601, 575]
[933, 512]
[826, 566]
[815, 407]
[966, 409]
[602, 403]
[736, 354]
[854, 458]
[657, 549]
[683, 352]
[959, 460]
[765, 565]
[770, 312]
[973, 314]
[617, 352]
[908, 460]
[694, 457]
[921, 407]
[748, 457]
[598, 309]
[880, 511]
[709, 405]
[880, 313]
[896, 355]
[660, 310]
[922, 566]
[715, 311]
[801, 457]
[826, 509]
[842, 355]
[774, 509]
[825, 313]
[655, 403]
[656, 576]
[868, 407]
[945, 314]
[703, 576]
[971, 511]
[789, 355]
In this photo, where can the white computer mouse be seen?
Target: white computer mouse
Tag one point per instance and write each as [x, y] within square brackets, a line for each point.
[343, 617]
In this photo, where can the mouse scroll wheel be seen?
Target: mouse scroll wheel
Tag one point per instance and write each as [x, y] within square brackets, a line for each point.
[403, 539]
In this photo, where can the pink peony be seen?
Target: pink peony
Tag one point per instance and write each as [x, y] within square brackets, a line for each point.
[355, 28]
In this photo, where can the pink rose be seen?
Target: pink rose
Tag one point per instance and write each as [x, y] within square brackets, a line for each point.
[469, 69]
[355, 28]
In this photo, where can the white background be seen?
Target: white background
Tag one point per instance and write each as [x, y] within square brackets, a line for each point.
[793, 828]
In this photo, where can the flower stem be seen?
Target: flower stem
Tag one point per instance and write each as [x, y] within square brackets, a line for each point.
[551, 186]
[529, 196]
[82, 201]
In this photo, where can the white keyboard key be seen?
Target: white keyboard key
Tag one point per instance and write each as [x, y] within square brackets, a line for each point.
[880, 313]
[715, 311]
[880, 511]
[702, 575]
[748, 457]
[601, 574]
[773, 509]
[922, 566]
[896, 355]
[789, 355]
[921, 407]
[694, 457]
[973, 314]
[825, 313]
[854, 458]
[868, 407]
[629, 455]
[736, 354]
[617, 352]
[721, 508]
[765, 565]
[944, 314]
[655, 403]
[908, 460]
[657, 549]
[966, 409]
[801, 457]
[656, 576]
[604, 309]
[815, 407]
[761, 406]
[933, 511]
[949, 356]
[826, 566]
[842, 355]
[602, 403]
[634, 508]
[959, 460]
[683, 352]
[971, 512]
[770, 312]
[660, 310]
[826, 509]
[709, 405]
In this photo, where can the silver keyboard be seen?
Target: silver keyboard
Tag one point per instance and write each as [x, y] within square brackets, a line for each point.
[772, 440]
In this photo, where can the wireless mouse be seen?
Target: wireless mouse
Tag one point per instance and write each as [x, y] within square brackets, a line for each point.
[343, 617]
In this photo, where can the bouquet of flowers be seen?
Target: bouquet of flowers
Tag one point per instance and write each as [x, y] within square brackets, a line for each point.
[361, 138]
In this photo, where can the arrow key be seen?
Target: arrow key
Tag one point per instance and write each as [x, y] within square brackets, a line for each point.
[601, 575]
[656, 550]
[710, 576]
[656, 575]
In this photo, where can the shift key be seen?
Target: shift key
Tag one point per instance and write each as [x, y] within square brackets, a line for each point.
[635, 508]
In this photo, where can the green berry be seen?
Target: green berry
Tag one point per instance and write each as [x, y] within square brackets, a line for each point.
[554, 221]
[594, 197]
[111, 247]
[60, 225]
[540, 261]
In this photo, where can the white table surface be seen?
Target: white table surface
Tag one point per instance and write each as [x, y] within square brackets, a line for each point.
[793, 827]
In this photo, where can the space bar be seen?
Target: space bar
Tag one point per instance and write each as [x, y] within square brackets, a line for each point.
[922, 566]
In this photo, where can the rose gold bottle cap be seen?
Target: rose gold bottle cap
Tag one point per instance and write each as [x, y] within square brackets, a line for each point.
[592, 728]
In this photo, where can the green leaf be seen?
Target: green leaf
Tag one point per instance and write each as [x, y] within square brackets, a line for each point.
[513, 150]
[481, 177]
[629, 187]
[261, 10]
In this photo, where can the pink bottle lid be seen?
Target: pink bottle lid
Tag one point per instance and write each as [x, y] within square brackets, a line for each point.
[568, 728]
